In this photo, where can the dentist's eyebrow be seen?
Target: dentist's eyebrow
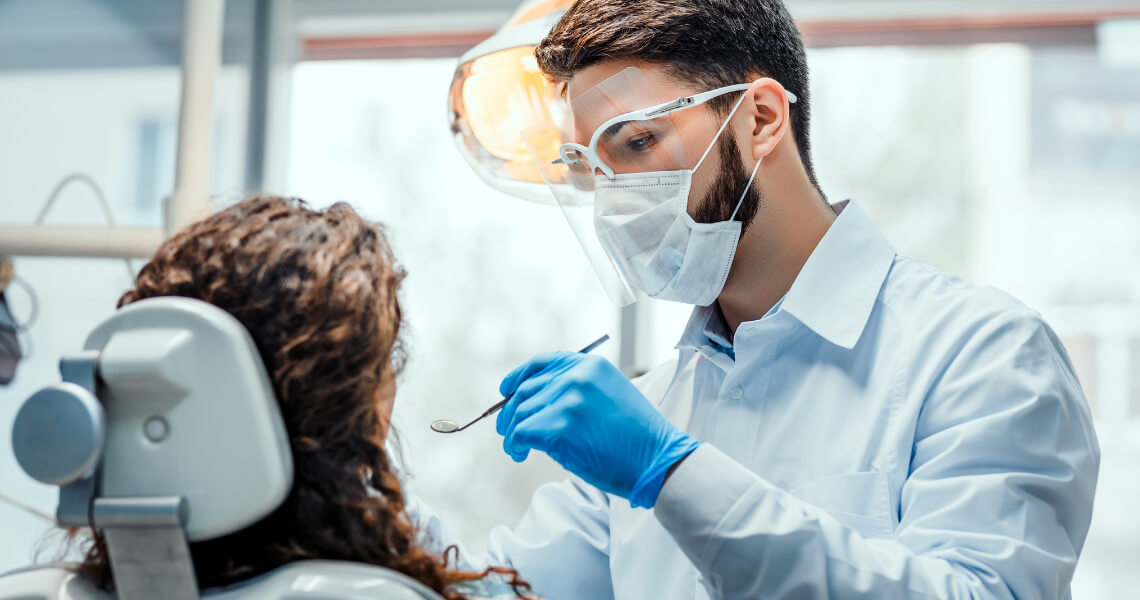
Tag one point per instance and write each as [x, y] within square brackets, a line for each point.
[613, 130]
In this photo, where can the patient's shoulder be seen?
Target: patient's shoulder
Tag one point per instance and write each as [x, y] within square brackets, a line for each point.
[491, 589]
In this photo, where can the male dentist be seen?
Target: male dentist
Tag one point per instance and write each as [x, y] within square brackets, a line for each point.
[841, 421]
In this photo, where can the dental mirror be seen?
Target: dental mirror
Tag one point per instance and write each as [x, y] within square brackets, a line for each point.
[444, 426]
[449, 426]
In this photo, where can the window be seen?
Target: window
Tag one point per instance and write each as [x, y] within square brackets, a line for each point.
[492, 280]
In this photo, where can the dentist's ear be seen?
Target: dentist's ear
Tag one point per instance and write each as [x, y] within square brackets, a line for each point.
[769, 112]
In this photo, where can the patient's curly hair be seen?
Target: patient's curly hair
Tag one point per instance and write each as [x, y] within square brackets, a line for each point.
[317, 290]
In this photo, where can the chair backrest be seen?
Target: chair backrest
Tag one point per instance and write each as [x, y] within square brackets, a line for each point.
[166, 431]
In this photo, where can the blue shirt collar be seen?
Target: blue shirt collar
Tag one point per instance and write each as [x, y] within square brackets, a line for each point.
[715, 328]
[834, 293]
[707, 332]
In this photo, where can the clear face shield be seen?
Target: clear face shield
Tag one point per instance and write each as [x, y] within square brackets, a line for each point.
[627, 145]
[617, 137]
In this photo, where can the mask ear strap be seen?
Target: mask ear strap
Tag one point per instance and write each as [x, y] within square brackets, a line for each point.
[721, 130]
[746, 188]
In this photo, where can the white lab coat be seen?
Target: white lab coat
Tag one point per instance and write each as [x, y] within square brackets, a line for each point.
[888, 431]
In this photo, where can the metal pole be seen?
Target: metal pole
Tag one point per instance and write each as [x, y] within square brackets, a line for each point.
[628, 353]
[93, 242]
[258, 115]
[201, 54]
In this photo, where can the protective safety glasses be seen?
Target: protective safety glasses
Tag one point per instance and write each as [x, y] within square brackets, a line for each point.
[626, 141]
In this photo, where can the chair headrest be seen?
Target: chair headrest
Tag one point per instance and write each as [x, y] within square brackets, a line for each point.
[190, 412]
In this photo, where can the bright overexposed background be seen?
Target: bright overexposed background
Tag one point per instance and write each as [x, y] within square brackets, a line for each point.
[1014, 165]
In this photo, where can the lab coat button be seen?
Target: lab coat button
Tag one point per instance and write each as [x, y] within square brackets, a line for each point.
[737, 393]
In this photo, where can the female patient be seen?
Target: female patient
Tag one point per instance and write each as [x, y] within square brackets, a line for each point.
[317, 291]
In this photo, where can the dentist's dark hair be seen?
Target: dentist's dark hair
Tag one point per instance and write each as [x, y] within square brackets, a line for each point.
[703, 43]
[318, 292]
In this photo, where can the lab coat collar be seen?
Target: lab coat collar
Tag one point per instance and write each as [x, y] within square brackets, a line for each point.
[835, 291]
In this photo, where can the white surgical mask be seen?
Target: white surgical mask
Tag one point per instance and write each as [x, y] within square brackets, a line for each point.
[643, 224]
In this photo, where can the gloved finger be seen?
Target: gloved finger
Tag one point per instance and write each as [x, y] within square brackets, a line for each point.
[541, 431]
[540, 406]
[528, 369]
[533, 383]
[517, 454]
[528, 388]
[511, 445]
[527, 408]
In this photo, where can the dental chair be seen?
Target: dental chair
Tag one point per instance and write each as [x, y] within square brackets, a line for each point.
[165, 431]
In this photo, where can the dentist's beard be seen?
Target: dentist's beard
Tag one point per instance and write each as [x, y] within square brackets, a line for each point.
[720, 200]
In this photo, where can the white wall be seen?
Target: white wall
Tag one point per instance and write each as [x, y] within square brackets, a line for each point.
[55, 123]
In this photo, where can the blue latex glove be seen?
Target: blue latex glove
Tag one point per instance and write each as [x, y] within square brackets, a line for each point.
[583, 412]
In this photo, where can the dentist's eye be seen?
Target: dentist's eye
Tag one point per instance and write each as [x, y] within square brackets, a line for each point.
[642, 142]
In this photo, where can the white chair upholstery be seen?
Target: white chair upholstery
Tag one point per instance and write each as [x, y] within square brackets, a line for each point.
[48, 583]
[166, 431]
[307, 580]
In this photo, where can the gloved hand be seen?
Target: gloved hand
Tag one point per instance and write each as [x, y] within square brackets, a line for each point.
[583, 412]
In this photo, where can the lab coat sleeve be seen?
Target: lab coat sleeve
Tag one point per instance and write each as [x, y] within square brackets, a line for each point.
[560, 547]
[562, 544]
[435, 537]
[997, 502]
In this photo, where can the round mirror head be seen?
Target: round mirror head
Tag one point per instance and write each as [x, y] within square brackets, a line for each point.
[444, 426]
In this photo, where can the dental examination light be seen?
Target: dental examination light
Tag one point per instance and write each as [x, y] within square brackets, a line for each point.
[497, 93]
[507, 119]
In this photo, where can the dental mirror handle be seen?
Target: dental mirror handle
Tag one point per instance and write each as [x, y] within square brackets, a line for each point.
[449, 426]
